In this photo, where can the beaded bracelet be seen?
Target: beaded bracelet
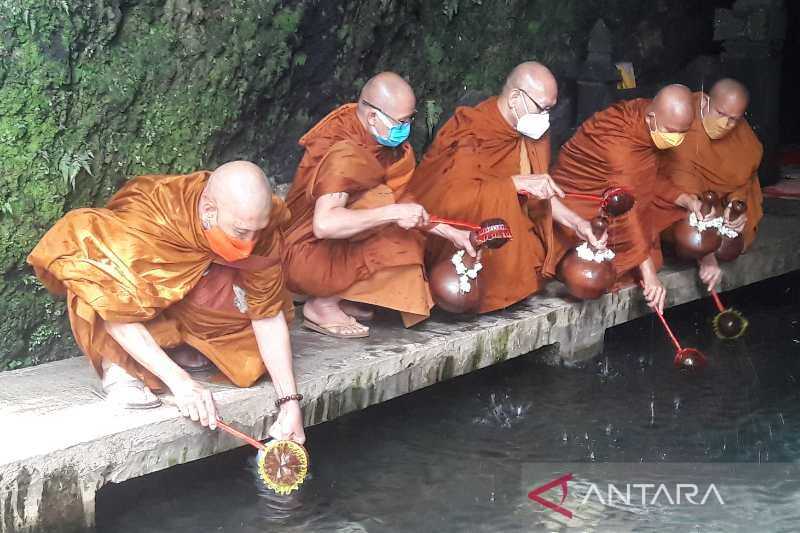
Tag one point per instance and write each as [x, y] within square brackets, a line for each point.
[281, 401]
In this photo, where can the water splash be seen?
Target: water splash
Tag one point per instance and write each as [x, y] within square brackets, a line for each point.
[503, 412]
[652, 409]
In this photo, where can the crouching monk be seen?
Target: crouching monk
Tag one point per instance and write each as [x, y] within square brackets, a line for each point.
[172, 260]
[721, 153]
[618, 147]
[353, 241]
[486, 162]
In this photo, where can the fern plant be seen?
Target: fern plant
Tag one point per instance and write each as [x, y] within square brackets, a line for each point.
[71, 164]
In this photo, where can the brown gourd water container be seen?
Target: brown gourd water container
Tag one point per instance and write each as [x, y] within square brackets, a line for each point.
[731, 248]
[690, 242]
[443, 279]
[587, 280]
[617, 201]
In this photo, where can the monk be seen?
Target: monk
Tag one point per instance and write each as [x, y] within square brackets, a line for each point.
[721, 154]
[486, 162]
[354, 242]
[618, 147]
[192, 259]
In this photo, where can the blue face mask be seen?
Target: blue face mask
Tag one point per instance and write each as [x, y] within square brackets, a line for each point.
[397, 134]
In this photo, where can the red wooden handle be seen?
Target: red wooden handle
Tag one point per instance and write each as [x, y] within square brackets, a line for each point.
[669, 331]
[664, 323]
[577, 195]
[582, 196]
[717, 301]
[455, 223]
[238, 434]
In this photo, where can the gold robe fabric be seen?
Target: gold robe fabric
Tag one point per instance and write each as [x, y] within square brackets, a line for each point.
[139, 259]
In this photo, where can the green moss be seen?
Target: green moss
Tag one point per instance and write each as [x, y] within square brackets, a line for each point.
[93, 92]
[90, 97]
[500, 345]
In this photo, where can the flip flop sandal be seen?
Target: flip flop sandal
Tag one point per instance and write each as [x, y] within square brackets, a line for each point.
[129, 395]
[368, 316]
[329, 329]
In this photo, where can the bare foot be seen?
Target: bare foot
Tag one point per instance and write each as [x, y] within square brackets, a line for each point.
[189, 358]
[326, 313]
[357, 310]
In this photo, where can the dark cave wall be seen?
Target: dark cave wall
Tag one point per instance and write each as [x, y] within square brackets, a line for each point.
[93, 92]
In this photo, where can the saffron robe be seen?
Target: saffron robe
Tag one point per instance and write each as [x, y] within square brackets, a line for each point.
[727, 166]
[613, 148]
[382, 266]
[145, 258]
[466, 175]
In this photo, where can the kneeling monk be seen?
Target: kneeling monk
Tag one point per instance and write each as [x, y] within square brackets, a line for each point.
[484, 163]
[721, 153]
[192, 259]
[617, 147]
[353, 237]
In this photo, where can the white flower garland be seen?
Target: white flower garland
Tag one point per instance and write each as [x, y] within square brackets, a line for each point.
[703, 225]
[464, 274]
[585, 252]
[725, 231]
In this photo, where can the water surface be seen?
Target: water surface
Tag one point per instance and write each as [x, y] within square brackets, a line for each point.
[453, 457]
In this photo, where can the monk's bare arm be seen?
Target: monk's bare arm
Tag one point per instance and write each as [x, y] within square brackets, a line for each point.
[564, 215]
[272, 336]
[140, 344]
[193, 399]
[570, 219]
[333, 220]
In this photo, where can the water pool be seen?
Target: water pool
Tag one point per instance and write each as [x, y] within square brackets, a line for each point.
[462, 455]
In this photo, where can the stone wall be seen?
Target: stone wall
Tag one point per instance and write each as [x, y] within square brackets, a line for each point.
[95, 91]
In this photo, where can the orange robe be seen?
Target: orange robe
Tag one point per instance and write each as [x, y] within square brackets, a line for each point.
[383, 266]
[144, 258]
[613, 148]
[727, 166]
[466, 175]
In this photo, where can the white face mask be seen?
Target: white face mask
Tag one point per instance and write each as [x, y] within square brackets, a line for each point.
[532, 125]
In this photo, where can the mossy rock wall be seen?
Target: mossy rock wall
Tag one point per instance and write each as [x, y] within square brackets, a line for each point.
[93, 92]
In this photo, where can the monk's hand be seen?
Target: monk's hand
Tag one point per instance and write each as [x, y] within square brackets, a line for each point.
[583, 229]
[692, 204]
[196, 402]
[654, 292]
[709, 271]
[539, 186]
[737, 224]
[409, 216]
[289, 425]
[459, 237]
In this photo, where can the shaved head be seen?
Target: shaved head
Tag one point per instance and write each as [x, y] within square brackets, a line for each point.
[730, 97]
[673, 109]
[390, 93]
[529, 88]
[535, 79]
[238, 196]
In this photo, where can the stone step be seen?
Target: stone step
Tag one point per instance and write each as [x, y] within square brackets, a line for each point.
[61, 442]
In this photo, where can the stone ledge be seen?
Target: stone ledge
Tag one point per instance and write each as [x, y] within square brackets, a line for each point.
[62, 443]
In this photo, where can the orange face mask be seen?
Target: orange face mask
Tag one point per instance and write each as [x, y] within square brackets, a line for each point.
[229, 248]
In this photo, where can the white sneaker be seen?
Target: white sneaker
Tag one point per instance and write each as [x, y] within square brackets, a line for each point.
[124, 390]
